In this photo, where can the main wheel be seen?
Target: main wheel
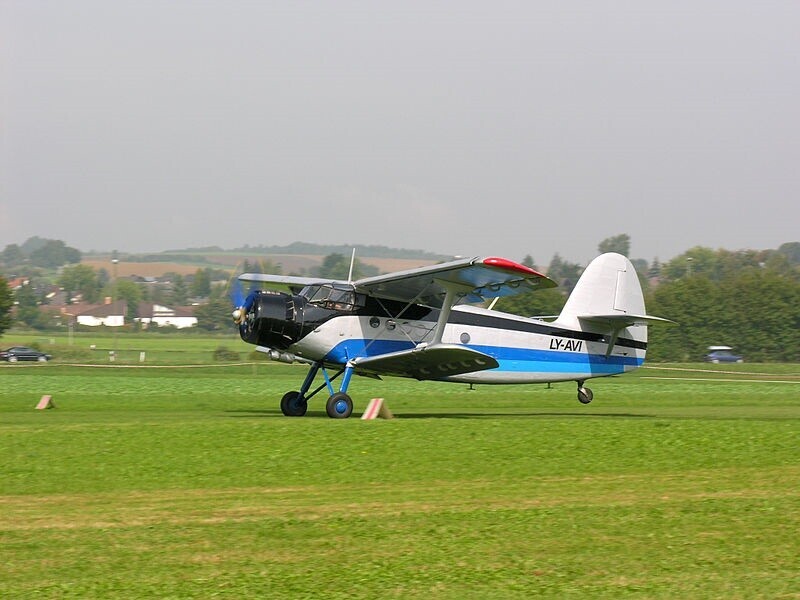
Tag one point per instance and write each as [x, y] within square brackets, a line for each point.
[585, 395]
[293, 404]
[339, 406]
[42, 359]
[12, 359]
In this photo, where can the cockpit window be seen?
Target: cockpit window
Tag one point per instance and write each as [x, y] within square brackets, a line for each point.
[332, 298]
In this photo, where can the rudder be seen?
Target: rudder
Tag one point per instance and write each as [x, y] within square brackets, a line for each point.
[608, 287]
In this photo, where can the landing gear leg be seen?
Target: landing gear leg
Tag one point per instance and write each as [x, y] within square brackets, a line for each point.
[585, 395]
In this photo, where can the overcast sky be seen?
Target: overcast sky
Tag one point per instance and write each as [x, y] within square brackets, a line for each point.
[503, 128]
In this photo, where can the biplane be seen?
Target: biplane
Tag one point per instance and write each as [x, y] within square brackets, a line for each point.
[427, 324]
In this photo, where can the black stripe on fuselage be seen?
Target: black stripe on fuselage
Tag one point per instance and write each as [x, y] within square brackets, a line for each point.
[415, 312]
[498, 322]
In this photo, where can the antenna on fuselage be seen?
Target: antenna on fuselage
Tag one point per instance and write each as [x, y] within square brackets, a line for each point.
[352, 262]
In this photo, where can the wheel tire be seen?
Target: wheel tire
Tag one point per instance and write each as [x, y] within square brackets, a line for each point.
[12, 359]
[293, 404]
[339, 406]
[585, 395]
[42, 359]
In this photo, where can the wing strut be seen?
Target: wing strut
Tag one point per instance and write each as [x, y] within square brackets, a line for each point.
[451, 294]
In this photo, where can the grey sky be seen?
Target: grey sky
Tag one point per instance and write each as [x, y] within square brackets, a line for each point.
[505, 128]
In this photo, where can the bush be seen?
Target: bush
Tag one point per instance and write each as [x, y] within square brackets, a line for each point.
[223, 353]
[65, 353]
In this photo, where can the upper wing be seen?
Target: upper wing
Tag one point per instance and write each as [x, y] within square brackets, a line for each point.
[286, 282]
[474, 279]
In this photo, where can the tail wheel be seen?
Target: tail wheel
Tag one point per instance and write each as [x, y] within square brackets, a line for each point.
[339, 406]
[293, 404]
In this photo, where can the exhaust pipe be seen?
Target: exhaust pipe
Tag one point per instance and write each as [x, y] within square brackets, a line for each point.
[277, 355]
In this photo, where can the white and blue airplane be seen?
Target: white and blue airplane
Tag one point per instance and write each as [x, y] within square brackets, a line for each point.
[423, 323]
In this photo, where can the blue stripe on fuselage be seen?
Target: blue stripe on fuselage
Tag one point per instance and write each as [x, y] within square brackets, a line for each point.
[519, 360]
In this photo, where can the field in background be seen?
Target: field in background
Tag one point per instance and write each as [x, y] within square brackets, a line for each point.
[191, 347]
[290, 263]
[188, 483]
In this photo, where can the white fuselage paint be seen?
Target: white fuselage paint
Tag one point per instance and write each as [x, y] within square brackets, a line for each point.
[523, 356]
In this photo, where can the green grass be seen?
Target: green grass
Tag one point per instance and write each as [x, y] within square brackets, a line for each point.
[158, 348]
[189, 483]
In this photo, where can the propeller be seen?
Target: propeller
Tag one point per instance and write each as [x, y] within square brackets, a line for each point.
[242, 301]
[236, 294]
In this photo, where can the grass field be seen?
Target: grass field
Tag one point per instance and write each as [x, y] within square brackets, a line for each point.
[189, 483]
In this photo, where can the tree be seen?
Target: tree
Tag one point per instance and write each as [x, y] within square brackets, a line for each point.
[201, 283]
[6, 302]
[337, 266]
[28, 306]
[53, 254]
[180, 292]
[695, 261]
[215, 315]
[261, 265]
[103, 278]
[542, 303]
[80, 278]
[127, 290]
[12, 255]
[792, 251]
[619, 243]
[755, 309]
[655, 268]
[564, 272]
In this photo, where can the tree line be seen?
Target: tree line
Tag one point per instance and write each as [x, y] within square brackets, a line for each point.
[748, 299]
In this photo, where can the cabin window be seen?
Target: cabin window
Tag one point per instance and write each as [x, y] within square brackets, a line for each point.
[333, 298]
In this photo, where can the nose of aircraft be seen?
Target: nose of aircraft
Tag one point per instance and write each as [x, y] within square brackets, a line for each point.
[267, 319]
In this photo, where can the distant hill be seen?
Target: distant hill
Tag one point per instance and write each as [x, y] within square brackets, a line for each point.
[298, 258]
[306, 248]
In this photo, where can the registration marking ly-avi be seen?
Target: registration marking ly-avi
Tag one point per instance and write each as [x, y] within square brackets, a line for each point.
[561, 344]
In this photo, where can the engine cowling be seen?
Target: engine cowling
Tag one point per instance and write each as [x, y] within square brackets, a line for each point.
[270, 319]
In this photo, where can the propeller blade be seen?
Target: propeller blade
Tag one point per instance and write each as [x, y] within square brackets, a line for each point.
[237, 294]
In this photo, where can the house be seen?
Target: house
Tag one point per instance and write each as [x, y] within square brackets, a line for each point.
[150, 313]
[110, 314]
[18, 282]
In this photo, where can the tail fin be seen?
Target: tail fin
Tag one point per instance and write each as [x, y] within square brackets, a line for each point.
[608, 298]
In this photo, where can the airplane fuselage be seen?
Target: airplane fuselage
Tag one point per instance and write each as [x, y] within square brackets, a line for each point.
[527, 350]
[339, 330]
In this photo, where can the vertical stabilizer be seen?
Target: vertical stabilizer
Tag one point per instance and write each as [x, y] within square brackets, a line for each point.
[608, 289]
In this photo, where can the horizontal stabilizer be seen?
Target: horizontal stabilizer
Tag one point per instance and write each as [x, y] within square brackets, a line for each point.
[619, 321]
[428, 362]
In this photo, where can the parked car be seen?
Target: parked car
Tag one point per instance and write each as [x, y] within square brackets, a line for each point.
[23, 353]
[722, 354]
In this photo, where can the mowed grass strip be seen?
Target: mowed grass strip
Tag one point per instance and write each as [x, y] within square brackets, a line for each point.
[185, 507]
[619, 539]
[192, 485]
